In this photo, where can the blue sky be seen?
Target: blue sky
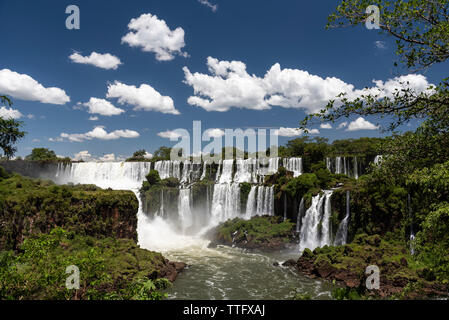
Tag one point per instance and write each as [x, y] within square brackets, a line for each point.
[258, 34]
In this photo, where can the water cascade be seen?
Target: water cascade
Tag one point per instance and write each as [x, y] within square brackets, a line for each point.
[300, 215]
[293, 164]
[315, 226]
[342, 232]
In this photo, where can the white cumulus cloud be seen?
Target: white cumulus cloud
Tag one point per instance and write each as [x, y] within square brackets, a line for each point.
[102, 107]
[228, 85]
[214, 133]
[144, 97]
[326, 126]
[10, 113]
[169, 135]
[24, 87]
[293, 132]
[361, 124]
[97, 133]
[104, 61]
[82, 155]
[342, 125]
[153, 35]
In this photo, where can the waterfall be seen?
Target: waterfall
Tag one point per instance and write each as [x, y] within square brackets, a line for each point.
[377, 159]
[356, 168]
[225, 202]
[338, 165]
[265, 201]
[300, 215]
[246, 171]
[329, 164]
[161, 210]
[217, 176]
[203, 175]
[115, 175]
[184, 209]
[315, 229]
[251, 203]
[293, 164]
[226, 174]
[342, 232]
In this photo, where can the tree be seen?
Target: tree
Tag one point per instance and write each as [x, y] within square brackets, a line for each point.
[163, 153]
[10, 132]
[41, 154]
[421, 29]
[140, 153]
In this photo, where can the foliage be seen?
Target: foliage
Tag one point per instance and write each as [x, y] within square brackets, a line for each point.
[10, 132]
[109, 269]
[421, 29]
[30, 206]
[258, 229]
[153, 177]
[41, 154]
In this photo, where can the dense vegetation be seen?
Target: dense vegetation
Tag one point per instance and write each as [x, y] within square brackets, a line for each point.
[264, 233]
[46, 228]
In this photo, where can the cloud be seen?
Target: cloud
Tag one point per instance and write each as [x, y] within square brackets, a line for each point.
[82, 155]
[293, 132]
[143, 98]
[213, 7]
[10, 113]
[153, 35]
[97, 133]
[326, 126]
[102, 107]
[107, 158]
[342, 125]
[93, 118]
[148, 155]
[361, 124]
[31, 116]
[214, 133]
[24, 87]
[36, 140]
[380, 44]
[230, 85]
[104, 61]
[172, 135]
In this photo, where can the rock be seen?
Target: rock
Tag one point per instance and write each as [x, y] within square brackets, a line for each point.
[212, 245]
[289, 263]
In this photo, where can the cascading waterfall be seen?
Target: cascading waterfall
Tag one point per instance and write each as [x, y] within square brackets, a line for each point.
[342, 232]
[225, 202]
[315, 227]
[265, 200]
[251, 203]
[184, 209]
[356, 168]
[300, 215]
[293, 164]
